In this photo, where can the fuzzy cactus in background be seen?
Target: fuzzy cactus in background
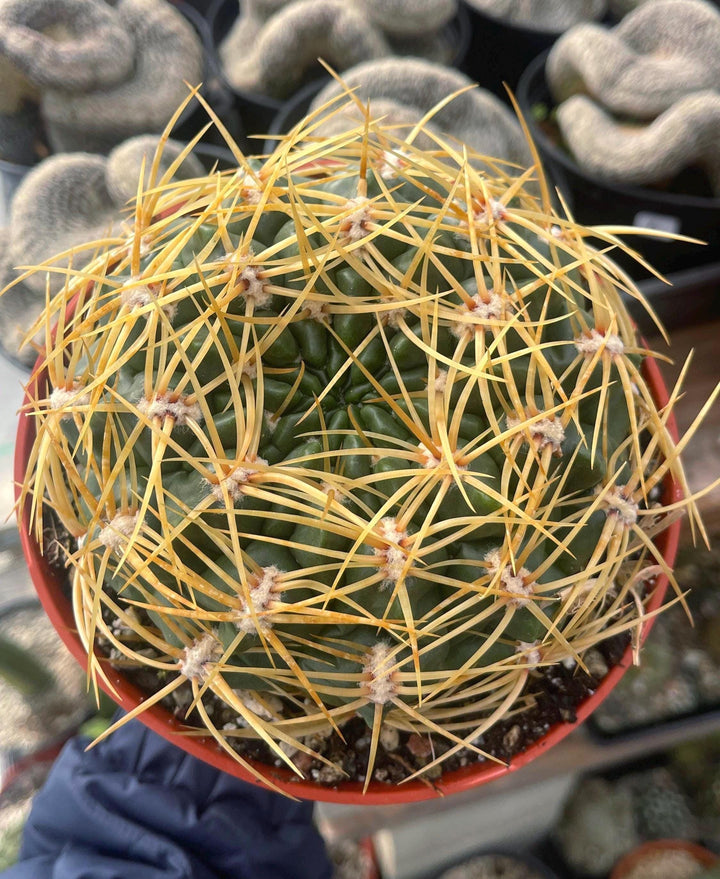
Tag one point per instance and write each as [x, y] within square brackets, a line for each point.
[167, 56]
[353, 431]
[639, 102]
[549, 15]
[63, 203]
[273, 48]
[597, 827]
[66, 43]
[288, 46]
[103, 73]
[403, 91]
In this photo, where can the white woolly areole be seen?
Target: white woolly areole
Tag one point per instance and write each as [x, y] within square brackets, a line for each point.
[427, 458]
[545, 432]
[392, 316]
[164, 406]
[198, 656]
[138, 297]
[494, 309]
[254, 286]
[440, 381]
[118, 531]
[249, 189]
[519, 584]
[236, 480]
[379, 682]
[492, 210]
[249, 368]
[74, 396]
[317, 311]
[390, 165]
[263, 594]
[531, 652]
[620, 504]
[392, 558]
[595, 341]
[355, 226]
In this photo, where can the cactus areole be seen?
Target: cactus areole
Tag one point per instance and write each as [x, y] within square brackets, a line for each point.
[356, 430]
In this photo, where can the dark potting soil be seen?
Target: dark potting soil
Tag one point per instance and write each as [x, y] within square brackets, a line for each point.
[552, 696]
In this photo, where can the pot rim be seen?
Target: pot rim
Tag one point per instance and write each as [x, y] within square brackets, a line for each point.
[534, 72]
[49, 589]
[703, 855]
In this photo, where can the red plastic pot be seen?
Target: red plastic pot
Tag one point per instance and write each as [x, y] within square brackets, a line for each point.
[50, 591]
[626, 865]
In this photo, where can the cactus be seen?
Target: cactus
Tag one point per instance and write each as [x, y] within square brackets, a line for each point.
[494, 867]
[638, 103]
[276, 59]
[168, 54]
[63, 203]
[597, 827]
[272, 48]
[77, 45]
[408, 90]
[103, 74]
[352, 431]
[549, 15]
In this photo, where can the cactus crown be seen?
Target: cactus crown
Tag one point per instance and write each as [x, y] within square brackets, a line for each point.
[356, 426]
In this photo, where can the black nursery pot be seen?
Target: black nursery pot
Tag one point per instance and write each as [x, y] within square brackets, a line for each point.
[214, 89]
[597, 202]
[500, 51]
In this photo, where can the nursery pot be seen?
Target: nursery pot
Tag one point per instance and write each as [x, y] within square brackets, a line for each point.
[500, 50]
[627, 864]
[54, 594]
[598, 202]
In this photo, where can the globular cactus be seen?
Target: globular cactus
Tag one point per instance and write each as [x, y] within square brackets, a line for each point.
[548, 15]
[353, 430]
[406, 91]
[638, 103]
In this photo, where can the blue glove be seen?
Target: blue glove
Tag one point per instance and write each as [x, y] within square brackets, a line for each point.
[137, 807]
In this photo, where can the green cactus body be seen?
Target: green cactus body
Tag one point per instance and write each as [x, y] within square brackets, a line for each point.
[358, 452]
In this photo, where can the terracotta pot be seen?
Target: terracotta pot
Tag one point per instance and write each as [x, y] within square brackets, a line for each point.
[52, 594]
[624, 867]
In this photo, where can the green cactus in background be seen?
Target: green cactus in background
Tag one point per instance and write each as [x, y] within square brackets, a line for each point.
[354, 430]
